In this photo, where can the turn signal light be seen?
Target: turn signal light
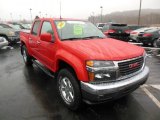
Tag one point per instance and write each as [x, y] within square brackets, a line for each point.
[133, 32]
[91, 76]
[128, 31]
[90, 63]
[147, 35]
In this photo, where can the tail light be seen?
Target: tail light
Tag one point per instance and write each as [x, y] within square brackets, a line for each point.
[109, 31]
[128, 31]
[147, 35]
[133, 32]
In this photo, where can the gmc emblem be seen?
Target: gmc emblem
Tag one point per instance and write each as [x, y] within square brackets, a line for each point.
[134, 65]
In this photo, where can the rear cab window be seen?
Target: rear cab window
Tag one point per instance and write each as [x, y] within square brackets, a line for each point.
[119, 26]
[101, 25]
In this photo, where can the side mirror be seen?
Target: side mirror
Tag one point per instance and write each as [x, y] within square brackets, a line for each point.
[46, 37]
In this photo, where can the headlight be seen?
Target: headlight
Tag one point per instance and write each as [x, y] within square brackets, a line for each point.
[11, 33]
[92, 63]
[101, 70]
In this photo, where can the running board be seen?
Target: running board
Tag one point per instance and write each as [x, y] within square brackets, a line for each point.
[42, 67]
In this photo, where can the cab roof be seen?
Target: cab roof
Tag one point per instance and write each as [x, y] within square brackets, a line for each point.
[60, 19]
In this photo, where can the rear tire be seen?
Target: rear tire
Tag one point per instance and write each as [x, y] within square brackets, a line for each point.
[69, 89]
[26, 57]
[155, 43]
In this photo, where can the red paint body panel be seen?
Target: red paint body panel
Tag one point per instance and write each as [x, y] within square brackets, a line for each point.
[75, 53]
[104, 49]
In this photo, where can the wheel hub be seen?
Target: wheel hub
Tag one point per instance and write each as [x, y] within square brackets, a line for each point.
[66, 90]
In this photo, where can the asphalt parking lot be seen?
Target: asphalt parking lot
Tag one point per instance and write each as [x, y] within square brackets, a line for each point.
[29, 94]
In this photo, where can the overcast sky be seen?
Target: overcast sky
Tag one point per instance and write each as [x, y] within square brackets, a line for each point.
[70, 8]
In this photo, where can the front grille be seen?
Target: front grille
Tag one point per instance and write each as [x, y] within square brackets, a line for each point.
[130, 66]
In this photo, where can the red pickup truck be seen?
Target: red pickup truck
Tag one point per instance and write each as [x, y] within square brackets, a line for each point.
[87, 66]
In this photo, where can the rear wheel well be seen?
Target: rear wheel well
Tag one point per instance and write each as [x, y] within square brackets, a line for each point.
[2, 35]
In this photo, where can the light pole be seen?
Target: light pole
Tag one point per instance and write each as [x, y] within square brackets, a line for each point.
[11, 17]
[101, 12]
[31, 13]
[60, 8]
[139, 16]
[40, 14]
[93, 16]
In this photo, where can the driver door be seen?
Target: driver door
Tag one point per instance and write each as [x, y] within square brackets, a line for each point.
[47, 49]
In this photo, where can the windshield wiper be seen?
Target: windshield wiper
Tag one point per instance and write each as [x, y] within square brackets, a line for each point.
[89, 37]
[92, 37]
[70, 39]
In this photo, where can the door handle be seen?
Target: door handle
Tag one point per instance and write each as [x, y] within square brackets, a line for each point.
[38, 42]
[30, 38]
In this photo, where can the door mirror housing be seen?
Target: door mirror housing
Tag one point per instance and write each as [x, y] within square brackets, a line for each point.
[46, 37]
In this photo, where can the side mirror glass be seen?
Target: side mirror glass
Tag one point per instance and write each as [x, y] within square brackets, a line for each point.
[46, 37]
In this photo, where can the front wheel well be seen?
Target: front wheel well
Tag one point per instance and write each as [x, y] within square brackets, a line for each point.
[62, 64]
[22, 44]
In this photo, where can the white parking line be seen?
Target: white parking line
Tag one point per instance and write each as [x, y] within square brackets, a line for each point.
[156, 86]
[150, 95]
[6, 47]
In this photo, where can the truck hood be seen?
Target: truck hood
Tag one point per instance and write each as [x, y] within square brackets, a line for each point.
[104, 49]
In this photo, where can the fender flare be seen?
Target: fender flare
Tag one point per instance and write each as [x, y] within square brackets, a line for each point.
[75, 62]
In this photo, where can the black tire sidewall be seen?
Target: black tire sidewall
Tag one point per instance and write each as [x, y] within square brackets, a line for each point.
[28, 61]
[77, 94]
[155, 42]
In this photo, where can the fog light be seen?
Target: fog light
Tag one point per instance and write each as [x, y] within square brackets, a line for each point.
[99, 76]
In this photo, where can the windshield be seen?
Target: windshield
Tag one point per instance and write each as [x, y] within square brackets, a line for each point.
[16, 26]
[135, 27]
[5, 26]
[77, 30]
[153, 30]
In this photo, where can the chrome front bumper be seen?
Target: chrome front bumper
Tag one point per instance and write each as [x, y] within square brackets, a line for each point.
[104, 91]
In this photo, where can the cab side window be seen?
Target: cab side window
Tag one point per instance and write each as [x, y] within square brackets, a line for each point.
[47, 28]
[35, 28]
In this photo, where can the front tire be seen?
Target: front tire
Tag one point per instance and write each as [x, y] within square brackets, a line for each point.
[26, 57]
[68, 89]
